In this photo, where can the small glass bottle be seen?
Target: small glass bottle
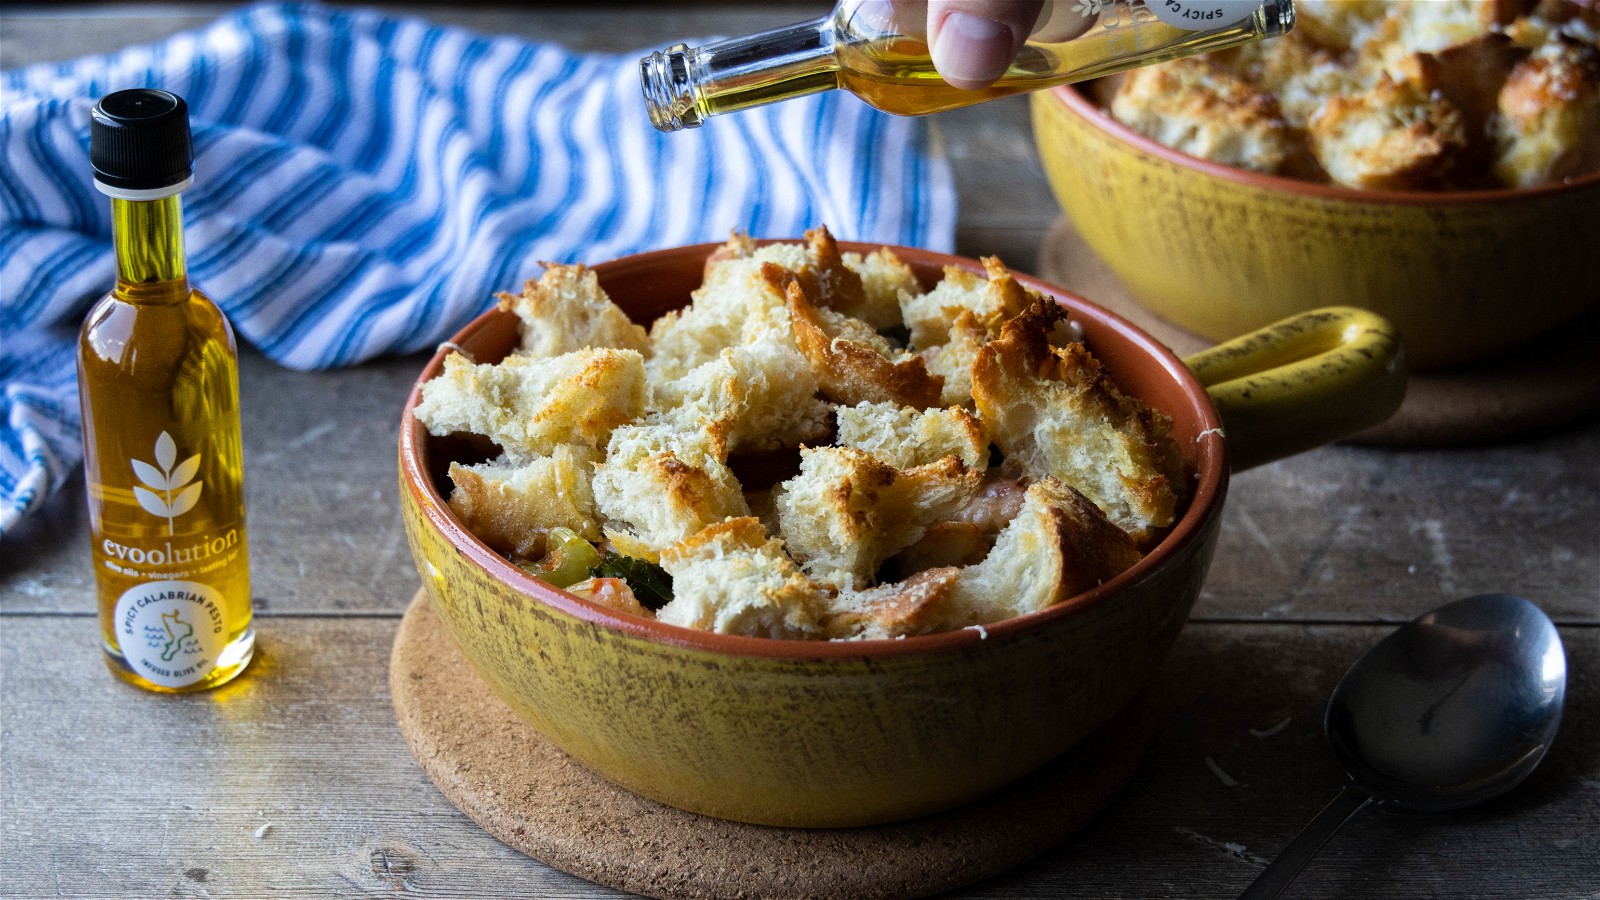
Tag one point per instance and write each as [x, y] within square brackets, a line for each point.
[159, 388]
[878, 50]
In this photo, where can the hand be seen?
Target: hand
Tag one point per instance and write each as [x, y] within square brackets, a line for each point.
[973, 41]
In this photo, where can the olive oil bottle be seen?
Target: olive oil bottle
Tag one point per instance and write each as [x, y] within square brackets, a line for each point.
[159, 388]
[878, 50]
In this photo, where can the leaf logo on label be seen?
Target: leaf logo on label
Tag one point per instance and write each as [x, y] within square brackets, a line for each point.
[177, 495]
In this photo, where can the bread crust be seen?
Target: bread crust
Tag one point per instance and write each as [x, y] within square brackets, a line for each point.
[1056, 413]
[565, 309]
[851, 371]
[530, 406]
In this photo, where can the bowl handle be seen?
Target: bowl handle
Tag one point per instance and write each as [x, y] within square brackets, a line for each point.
[1303, 382]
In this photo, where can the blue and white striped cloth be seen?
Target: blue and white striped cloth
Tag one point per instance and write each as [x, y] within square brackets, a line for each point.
[365, 183]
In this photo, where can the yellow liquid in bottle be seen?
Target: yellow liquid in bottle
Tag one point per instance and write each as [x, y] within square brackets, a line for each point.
[896, 73]
[158, 383]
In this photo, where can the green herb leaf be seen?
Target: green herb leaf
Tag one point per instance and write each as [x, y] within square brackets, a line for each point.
[651, 584]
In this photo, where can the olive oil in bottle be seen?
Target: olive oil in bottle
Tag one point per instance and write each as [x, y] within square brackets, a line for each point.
[878, 50]
[159, 388]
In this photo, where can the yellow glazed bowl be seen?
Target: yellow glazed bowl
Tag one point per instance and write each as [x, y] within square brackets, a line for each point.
[1219, 251]
[799, 733]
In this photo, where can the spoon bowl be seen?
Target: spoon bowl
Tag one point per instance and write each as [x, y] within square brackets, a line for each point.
[1454, 708]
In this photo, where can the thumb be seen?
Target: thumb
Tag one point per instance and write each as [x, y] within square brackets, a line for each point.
[973, 41]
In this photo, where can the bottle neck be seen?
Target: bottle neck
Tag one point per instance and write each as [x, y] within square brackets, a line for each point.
[148, 235]
[683, 86]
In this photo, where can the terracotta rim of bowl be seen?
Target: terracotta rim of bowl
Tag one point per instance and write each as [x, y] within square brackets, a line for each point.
[1205, 504]
[1076, 101]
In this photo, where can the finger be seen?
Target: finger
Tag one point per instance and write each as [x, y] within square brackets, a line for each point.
[973, 41]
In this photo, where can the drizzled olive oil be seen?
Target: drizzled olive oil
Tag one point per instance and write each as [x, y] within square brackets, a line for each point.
[158, 385]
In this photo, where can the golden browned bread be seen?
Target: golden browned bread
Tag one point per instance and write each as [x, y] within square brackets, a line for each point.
[849, 365]
[734, 307]
[1549, 122]
[846, 512]
[1198, 108]
[1055, 412]
[918, 605]
[992, 298]
[1470, 77]
[660, 485]
[1337, 24]
[884, 278]
[512, 506]
[906, 437]
[631, 448]
[762, 395]
[1395, 136]
[566, 310]
[529, 406]
[734, 578]
[1389, 95]
[964, 311]
[1059, 545]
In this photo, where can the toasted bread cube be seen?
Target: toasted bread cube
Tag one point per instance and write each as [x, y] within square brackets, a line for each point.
[1549, 123]
[1394, 137]
[530, 406]
[732, 308]
[566, 310]
[884, 277]
[511, 506]
[846, 512]
[735, 306]
[1471, 76]
[1055, 412]
[733, 578]
[851, 363]
[905, 437]
[1059, 545]
[1432, 26]
[762, 395]
[918, 605]
[661, 485]
[1299, 71]
[1197, 108]
[991, 300]
[1338, 24]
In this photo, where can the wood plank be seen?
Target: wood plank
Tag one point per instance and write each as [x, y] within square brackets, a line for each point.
[109, 791]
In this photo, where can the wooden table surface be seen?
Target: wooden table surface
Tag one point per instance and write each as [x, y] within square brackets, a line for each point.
[294, 781]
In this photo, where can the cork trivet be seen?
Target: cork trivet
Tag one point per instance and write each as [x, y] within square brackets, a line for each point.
[537, 800]
[1545, 385]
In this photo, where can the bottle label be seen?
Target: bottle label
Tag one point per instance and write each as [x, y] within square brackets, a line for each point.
[171, 631]
[1202, 15]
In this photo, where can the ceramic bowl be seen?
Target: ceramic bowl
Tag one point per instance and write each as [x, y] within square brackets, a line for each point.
[800, 733]
[1464, 275]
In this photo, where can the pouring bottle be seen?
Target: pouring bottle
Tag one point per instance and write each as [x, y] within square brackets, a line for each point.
[159, 390]
[879, 51]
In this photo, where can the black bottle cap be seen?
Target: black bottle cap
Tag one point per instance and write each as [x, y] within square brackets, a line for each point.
[139, 140]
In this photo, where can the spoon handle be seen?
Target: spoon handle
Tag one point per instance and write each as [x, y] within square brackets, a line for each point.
[1272, 881]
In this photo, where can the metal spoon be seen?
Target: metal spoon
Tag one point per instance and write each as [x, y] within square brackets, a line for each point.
[1454, 708]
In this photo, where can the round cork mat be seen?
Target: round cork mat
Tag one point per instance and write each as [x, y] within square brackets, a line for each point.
[1542, 386]
[537, 800]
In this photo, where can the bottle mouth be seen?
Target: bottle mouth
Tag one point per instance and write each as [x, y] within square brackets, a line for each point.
[1279, 19]
[668, 90]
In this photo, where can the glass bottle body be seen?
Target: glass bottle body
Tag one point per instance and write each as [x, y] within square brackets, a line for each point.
[163, 460]
[878, 50]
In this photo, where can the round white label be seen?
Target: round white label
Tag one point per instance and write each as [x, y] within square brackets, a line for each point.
[171, 631]
[1202, 15]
